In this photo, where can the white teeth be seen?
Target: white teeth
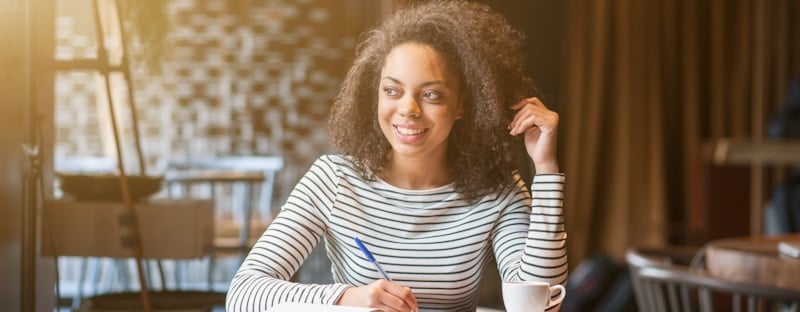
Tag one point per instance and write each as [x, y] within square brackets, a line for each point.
[409, 131]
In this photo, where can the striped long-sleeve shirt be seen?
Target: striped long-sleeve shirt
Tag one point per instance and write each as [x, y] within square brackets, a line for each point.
[432, 241]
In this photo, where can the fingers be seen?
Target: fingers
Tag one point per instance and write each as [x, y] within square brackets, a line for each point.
[531, 113]
[524, 125]
[524, 108]
[531, 100]
[389, 297]
[381, 294]
[398, 297]
[402, 293]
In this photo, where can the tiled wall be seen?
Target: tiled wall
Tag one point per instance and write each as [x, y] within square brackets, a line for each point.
[254, 83]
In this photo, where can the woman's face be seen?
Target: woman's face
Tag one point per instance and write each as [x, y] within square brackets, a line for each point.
[418, 102]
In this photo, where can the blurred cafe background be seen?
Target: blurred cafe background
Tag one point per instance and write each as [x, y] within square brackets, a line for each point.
[680, 129]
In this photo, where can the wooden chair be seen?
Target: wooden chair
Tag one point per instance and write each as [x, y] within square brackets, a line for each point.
[241, 188]
[74, 270]
[662, 282]
[236, 193]
[170, 229]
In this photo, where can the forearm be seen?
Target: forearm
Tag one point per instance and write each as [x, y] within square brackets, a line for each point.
[545, 256]
[252, 290]
[262, 280]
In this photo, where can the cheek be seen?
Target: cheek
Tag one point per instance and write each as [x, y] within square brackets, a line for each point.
[446, 115]
[384, 113]
[382, 109]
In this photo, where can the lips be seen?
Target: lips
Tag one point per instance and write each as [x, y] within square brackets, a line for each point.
[409, 131]
[408, 134]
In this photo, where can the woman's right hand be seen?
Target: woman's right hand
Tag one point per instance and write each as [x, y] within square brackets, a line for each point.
[381, 294]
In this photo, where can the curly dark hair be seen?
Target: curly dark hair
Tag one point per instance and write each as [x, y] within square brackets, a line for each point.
[483, 50]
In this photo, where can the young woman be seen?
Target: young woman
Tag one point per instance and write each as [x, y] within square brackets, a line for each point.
[425, 120]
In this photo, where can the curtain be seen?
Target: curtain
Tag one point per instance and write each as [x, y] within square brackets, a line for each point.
[646, 85]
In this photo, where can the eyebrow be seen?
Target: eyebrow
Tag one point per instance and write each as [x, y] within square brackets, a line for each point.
[424, 84]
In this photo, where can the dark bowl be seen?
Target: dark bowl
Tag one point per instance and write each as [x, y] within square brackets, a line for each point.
[107, 187]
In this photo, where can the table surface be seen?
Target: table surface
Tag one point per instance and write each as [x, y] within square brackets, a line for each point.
[754, 259]
[298, 307]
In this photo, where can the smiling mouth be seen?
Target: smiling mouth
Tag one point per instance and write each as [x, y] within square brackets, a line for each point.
[409, 131]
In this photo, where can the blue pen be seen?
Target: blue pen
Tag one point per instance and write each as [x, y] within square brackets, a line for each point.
[371, 258]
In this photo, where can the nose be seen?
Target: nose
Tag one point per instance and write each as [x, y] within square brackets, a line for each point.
[409, 108]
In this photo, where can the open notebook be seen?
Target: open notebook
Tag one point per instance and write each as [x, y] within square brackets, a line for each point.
[310, 307]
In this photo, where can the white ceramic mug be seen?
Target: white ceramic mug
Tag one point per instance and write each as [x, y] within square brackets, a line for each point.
[528, 296]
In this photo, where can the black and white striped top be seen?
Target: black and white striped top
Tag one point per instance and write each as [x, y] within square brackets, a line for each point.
[429, 240]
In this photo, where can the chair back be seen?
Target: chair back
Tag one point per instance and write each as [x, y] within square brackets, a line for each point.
[241, 188]
[663, 284]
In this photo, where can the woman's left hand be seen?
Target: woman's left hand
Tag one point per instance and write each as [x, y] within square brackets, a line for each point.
[540, 126]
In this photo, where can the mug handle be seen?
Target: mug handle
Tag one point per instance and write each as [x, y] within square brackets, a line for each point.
[560, 297]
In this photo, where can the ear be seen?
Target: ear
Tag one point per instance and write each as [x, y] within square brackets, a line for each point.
[460, 113]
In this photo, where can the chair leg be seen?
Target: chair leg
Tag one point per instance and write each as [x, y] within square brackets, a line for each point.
[244, 234]
[161, 278]
[751, 304]
[146, 272]
[209, 279]
[672, 294]
[706, 301]
[76, 299]
[649, 295]
[98, 267]
[121, 270]
[179, 268]
[736, 303]
[686, 304]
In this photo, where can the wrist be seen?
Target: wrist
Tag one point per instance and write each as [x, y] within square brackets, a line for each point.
[341, 300]
[545, 168]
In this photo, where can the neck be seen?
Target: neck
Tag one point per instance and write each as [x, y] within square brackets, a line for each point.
[416, 173]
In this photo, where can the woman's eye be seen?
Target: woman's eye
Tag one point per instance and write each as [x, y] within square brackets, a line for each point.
[391, 91]
[431, 95]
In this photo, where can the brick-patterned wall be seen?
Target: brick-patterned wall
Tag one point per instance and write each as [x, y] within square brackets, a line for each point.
[254, 83]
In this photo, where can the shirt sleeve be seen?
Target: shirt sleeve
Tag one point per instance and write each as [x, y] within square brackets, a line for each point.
[529, 240]
[262, 280]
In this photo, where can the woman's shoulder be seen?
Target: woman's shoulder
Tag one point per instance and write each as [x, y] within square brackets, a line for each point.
[335, 163]
[517, 188]
[336, 160]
